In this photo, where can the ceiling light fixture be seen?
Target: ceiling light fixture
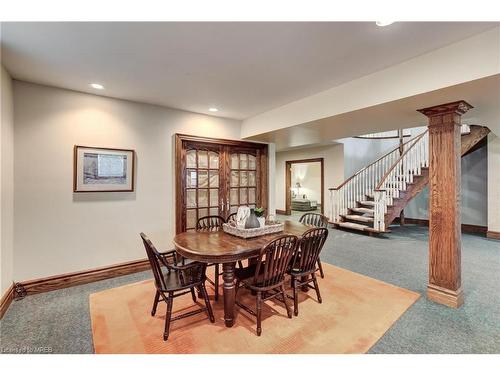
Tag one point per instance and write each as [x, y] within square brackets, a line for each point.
[384, 23]
[97, 86]
[213, 109]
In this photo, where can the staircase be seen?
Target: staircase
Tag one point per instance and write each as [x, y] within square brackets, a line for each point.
[371, 199]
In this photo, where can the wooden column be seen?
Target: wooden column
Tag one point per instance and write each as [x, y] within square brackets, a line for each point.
[444, 203]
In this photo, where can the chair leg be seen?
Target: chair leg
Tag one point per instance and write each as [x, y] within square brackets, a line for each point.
[193, 294]
[322, 274]
[207, 303]
[288, 312]
[155, 303]
[259, 313]
[295, 297]
[168, 317]
[316, 286]
[216, 281]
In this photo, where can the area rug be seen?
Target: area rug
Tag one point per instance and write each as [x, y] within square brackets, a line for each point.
[356, 311]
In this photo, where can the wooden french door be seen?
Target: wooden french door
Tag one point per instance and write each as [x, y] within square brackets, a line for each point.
[215, 177]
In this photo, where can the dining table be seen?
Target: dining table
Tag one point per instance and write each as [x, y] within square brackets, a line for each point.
[227, 249]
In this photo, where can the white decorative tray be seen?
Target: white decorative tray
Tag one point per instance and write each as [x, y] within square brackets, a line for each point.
[253, 232]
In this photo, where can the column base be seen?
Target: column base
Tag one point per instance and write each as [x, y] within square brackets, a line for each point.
[450, 298]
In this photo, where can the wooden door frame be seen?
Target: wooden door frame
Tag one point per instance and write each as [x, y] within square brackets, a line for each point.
[180, 168]
[288, 182]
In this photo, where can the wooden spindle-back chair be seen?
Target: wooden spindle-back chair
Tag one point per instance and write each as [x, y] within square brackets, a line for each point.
[266, 277]
[211, 224]
[319, 221]
[180, 279]
[303, 269]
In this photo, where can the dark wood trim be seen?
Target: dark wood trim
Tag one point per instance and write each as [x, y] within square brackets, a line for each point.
[218, 141]
[281, 212]
[288, 182]
[67, 280]
[6, 300]
[75, 157]
[492, 234]
[466, 228]
[262, 177]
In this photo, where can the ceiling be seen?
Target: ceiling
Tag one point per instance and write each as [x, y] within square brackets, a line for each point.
[403, 114]
[241, 68]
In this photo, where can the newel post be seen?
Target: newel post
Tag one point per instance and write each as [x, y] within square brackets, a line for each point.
[444, 203]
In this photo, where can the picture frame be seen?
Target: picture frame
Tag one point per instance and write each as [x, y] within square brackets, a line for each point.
[99, 169]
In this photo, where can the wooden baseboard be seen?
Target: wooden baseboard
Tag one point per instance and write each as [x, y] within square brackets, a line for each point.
[47, 284]
[450, 298]
[281, 212]
[494, 235]
[466, 228]
[6, 300]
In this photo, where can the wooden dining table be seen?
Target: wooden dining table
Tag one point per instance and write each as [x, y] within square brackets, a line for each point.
[224, 248]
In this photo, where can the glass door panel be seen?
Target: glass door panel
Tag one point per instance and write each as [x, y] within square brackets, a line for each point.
[243, 180]
[202, 188]
[215, 177]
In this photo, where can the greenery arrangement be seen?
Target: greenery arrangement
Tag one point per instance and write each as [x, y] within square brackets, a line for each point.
[259, 211]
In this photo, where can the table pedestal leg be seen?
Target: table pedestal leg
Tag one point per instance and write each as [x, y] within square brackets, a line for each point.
[229, 292]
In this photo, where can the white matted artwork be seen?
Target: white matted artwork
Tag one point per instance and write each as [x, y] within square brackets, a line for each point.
[103, 169]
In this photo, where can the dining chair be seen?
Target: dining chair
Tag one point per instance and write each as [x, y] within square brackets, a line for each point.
[303, 268]
[211, 224]
[267, 276]
[319, 221]
[180, 279]
[231, 217]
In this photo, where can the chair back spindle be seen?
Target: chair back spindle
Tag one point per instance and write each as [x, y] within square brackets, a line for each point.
[274, 260]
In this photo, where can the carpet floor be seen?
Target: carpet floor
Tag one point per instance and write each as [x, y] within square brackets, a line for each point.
[60, 320]
[356, 311]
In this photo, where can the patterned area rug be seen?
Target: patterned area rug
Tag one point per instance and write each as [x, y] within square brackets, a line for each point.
[355, 313]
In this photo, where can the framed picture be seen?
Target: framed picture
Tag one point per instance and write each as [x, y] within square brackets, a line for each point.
[99, 169]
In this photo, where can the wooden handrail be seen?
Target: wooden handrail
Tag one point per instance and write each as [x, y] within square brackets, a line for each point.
[376, 161]
[416, 139]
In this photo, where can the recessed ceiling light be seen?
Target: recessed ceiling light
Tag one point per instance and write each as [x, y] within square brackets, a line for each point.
[97, 86]
[213, 109]
[384, 23]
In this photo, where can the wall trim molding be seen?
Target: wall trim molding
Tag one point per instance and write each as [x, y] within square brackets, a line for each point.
[47, 284]
[6, 300]
[281, 212]
[493, 235]
[466, 228]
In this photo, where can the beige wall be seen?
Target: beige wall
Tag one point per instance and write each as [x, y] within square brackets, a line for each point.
[58, 231]
[494, 183]
[6, 181]
[333, 169]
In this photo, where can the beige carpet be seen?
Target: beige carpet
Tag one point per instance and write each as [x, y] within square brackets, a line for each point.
[356, 311]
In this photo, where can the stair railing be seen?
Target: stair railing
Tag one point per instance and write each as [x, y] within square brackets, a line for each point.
[398, 176]
[363, 182]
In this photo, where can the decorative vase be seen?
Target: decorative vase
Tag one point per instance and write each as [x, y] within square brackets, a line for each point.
[252, 221]
[262, 221]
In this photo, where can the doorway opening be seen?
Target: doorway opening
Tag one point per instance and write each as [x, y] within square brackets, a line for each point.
[304, 187]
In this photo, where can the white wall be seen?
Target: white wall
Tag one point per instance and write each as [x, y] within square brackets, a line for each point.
[6, 181]
[309, 177]
[474, 199]
[58, 231]
[494, 183]
[333, 169]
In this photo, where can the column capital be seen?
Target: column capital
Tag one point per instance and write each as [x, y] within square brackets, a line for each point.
[458, 107]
